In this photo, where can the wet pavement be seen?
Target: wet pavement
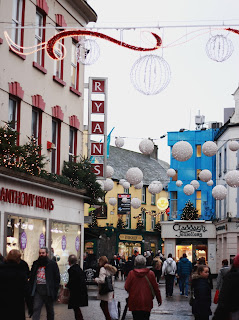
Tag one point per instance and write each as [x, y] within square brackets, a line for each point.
[175, 308]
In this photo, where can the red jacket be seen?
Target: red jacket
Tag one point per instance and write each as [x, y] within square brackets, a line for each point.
[140, 294]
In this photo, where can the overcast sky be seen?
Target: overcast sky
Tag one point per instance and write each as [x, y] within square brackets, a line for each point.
[197, 82]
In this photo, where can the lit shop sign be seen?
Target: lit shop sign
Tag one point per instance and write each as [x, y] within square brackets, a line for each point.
[189, 230]
[26, 199]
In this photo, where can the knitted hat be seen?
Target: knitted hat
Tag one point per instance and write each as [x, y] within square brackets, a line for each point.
[236, 261]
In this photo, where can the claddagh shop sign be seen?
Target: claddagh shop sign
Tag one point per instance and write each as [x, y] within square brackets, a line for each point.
[189, 230]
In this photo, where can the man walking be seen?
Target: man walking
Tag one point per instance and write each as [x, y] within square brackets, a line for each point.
[169, 270]
[184, 271]
[44, 284]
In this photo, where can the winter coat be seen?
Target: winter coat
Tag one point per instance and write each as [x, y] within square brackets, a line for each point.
[77, 287]
[202, 293]
[157, 263]
[14, 290]
[221, 274]
[228, 301]
[140, 294]
[172, 265]
[107, 270]
[52, 278]
[184, 267]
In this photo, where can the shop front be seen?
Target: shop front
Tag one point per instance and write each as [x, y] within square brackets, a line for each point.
[196, 238]
[36, 214]
[128, 243]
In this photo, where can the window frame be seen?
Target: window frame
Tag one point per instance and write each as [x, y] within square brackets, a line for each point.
[75, 66]
[225, 160]
[18, 16]
[59, 64]
[39, 126]
[153, 199]
[72, 144]
[40, 39]
[220, 164]
[56, 139]
[198, 150]
[199, 202]
[17, 104]
[173, 203]
[143, 195]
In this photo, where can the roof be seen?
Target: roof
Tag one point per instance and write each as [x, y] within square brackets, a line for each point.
[121, 160]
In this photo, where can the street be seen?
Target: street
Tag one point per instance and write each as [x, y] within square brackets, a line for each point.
[175, 308]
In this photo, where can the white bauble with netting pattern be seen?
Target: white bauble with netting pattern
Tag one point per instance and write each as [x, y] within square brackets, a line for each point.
[209, 148]
[195, 184]
[233, 145]
[108, 184]
[155, 188]
[125, 200]
[205, 175]
[121, 181]
[134, 175]
[139, 185]
[146, 146]
[232, 178]
[135, 203]
[109, 171]
[182, 151]
[219, 192]
[119, 142]
[210, 183]
[171, 172]
[112, 201]
[188, 189]
[179, 183]
[126, 185]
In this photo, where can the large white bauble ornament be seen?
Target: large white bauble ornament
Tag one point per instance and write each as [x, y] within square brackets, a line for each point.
[150, 74]
[205, 175]
[139, 185]
[154, 188]
[108, 184]
[219, 48]
[179, 183]
[195, 184]
[188, 189]
[171, 172]
[112, 201]
[121, 181]
[135, 203]
[182, 151]
[101, 183]
[124, 200]
[134, 175]
[232, 178]
[109, 171]
[210, 183]
[126, 185]
[88, 51]
[119, 142]
[209, 148]
[233, 145]
[219, 192]
[146, 146]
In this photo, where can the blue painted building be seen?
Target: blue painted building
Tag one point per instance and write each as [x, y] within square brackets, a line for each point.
[189, 170]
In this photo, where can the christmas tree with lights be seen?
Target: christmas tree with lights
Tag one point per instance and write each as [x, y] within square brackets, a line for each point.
[189, 212]
[121, 224]
[140, 224]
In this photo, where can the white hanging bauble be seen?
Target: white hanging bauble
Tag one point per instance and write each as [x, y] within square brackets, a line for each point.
[108, 184]
[112, 201]
[188, 189]
[233, 145]
[150, 74]
[109, 171]
[195, 184]
[210, 183]
[182, 151]
[155, 188]
[205, 175]
[126, 185]
[119, 142]
[146, 146]
[219, 48]
[219, 192]
[88, 51]
[101, 183]
[134, 175]
[135, 203]
[179, 183]
[121, 181]
[232, 178]
[139, 185]
[125, 200]
[171, 172]
[209, 148]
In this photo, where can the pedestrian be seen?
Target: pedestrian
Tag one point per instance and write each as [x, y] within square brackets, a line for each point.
[169, 271]
[157, 268]
[44, 284]
[77, 287]
[106, 269]
[115, 262]
[142, 287]
[202, 261]
[122, 264]
[184, 272]
[228, 306]
[14, 286]
[221, 274]
[149, 259]
[136, 253]
[201, 306]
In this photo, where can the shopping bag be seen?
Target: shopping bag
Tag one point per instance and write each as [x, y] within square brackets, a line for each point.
[215, 300]
[64, 295]
[107, 286]
[113, 309]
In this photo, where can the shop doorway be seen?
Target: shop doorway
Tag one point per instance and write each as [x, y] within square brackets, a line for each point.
[194, 251]
[127, 249]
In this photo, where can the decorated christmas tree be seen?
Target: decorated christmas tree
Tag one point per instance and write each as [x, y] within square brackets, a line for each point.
[157, 227]
[121, 224]
[140, 224]
[189, 212]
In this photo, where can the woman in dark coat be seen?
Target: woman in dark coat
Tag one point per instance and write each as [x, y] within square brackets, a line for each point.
[201, 307]
[77, 287]
[14, 290]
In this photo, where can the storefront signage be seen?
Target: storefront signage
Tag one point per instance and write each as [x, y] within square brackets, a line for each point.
[124, 206]
[23, 240]
[26, 199]
[130, 237]
[189, 230]
[220, 228]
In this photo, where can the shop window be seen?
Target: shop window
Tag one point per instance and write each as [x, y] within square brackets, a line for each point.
[199, 202]
[26, 235]
[143, 199]
[199, 150]
[153, 199]
[225, 160]
[174, 204]
[175, 177]
[72, 144]
[89, 247]
[18, 22]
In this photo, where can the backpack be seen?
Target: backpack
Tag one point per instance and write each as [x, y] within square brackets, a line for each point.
[169, 267]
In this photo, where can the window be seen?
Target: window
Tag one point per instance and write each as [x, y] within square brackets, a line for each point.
[225, 160]
[18, 21]
[128, 221]
[175, 177]
[143, 218]
[225, 208]
[36, 125]
[40, 37]
[143, 199]
[12, 113]
[59, 63]
[126, 191]
[72, 144]
[174, 204]
[220, 209]
[220, 165]
[199, 151]
[153, 199]
[74, 67]
[55, 154]
[152, 222]
[198, 172]
[199, 202]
